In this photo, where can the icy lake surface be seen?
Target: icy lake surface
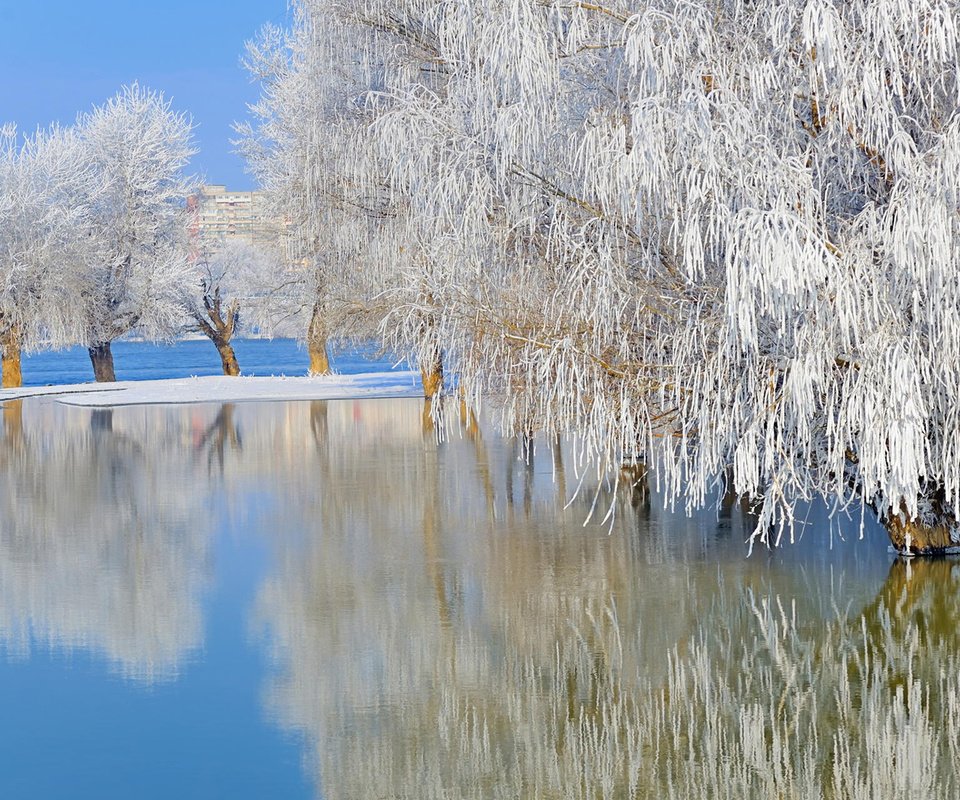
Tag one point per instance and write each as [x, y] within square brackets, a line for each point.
[320, 600]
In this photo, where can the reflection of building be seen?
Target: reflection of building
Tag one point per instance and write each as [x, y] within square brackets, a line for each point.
[224, 216]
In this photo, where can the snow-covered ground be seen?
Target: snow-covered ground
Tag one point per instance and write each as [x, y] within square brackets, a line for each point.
[221, 389]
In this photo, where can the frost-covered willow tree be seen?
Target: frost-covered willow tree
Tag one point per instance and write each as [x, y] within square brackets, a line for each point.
[137, 262]
[44, 187]
[284, 152]
[720, 236]
[498, 261]
[798, 163]
[308, 150]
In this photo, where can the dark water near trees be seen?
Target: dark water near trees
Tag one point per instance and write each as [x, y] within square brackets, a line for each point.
[136, 361]
[318, 599]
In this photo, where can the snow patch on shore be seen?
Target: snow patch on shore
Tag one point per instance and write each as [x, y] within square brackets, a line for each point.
[222, 389]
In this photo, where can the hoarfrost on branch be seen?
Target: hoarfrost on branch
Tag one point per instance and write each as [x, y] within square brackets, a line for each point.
[717, 235]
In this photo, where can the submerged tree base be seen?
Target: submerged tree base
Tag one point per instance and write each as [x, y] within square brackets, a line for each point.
[431, 374]
[913, 537]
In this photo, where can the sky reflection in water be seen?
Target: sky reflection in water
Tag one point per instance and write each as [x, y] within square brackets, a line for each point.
[321, 600]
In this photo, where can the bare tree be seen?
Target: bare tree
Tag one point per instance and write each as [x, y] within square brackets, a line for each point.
[226, 279]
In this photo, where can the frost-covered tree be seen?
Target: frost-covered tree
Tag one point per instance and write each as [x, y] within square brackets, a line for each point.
[797, 164]
[44, 187]
[227, 279]
[308, 149]
[133, 276]
[217, 317]
[719, 236]
[283, 153]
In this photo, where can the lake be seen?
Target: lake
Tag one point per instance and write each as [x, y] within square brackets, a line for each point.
[327, 600]
[136, 360]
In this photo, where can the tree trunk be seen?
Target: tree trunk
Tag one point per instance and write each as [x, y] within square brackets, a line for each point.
[428, 424]
[102, 359]
[319, 360]
[317, 343]
[12, 375]
[432, 376]
[219, 328]
[914, 538]
[228, 358]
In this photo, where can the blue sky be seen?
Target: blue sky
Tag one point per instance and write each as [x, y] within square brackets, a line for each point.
[60, 57]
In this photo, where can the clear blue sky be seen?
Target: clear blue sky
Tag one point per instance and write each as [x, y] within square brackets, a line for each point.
[60, 57]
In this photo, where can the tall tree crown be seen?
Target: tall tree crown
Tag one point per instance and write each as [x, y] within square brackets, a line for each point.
[715, 235]
[139, 147]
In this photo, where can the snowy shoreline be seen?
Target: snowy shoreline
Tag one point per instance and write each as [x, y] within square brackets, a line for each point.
[222, 389]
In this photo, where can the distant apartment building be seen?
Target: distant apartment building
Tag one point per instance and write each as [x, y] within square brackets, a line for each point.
[223, 216]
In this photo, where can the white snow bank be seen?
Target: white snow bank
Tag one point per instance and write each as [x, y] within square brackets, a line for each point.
[221, 389]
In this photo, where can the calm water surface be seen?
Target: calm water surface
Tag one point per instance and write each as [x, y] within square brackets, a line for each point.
[136, 361]
[319, 600]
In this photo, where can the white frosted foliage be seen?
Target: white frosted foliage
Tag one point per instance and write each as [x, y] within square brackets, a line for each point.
[137, 223]
[716, 236]
[94, 225]
[45, 181]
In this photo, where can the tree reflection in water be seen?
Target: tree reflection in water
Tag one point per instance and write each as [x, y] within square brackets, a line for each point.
[457, 633]
[443, 625]
[105, 536]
